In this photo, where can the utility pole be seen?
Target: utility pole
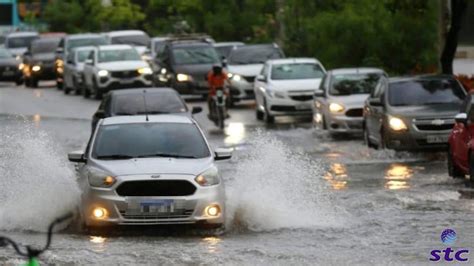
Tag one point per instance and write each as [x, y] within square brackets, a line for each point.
[280, 19]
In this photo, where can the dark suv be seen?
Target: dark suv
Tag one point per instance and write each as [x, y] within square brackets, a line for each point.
[183, 64]
[39, 61]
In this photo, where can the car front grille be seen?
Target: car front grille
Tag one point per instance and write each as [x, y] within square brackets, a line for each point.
[124, 74]
[156, 188]
[249, 79]
[434, 124]
[356, 112]
[285, 108]
[176, 214]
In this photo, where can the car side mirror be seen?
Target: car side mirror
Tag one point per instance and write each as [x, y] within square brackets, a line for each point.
[461, 118]
[76, 157]
[261, 78]
[100, 114]
[196, 109]
[222, 154]
[375, 102]
[319, 93]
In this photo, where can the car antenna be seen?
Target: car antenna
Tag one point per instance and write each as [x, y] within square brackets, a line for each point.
[144, 101]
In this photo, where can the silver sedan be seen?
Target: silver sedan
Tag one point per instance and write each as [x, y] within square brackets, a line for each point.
[140, 170]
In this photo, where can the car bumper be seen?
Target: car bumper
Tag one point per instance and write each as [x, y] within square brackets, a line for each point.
[109, 83]
[416, 141]
[339, 123]
[10, 76]
[287, 106]
[45, 73]
[242, 90]
[189, 209]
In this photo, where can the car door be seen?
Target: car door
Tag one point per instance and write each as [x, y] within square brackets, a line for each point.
[374, 113]
[68, 66]
[321, 102]
[88, 69]
[260, 85]
[461, 135]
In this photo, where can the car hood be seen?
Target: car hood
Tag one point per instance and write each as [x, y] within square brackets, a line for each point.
[155, 166]
[9, 62]
[122, 65]
[245, 70]
[355, 100]
[17, 51]
[295, 84]
[432, 111]
[44, 57]
[200, 70]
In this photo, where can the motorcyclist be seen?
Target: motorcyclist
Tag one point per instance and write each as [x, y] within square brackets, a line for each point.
[216, 79]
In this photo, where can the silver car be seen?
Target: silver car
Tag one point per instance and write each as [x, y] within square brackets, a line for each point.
[140, 170]
[339, 101]
[73, 69]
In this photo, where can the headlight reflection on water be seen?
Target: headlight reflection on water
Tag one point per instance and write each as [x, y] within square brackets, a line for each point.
[337, 176]
[397, 176]
[99, 243]
[212, 243]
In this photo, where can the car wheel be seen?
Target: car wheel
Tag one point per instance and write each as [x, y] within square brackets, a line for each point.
[269, 119]
[367, 138]
[34, 83]
[19, 81]
[471, 166]
[453, 169]
[259, 114]
[382, 144]
[59, 85]
[66, 89]
[85, 91]
[77, 89]
[97, 92]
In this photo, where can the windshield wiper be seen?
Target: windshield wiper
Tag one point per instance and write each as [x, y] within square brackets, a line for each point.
[153, 112]
[115, 157]
[167, 155]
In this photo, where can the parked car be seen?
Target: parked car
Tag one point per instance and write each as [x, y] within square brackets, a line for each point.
[67, 44]
[461, 149]
[244, 64]
[286, 87]
[145, 170]
[112, 67]
[39, 61]
[9, 67]
[17, 42]
[139, 101]
[136, 38]
[339, 100]
[184, 63]
[224, 48]
[73, 74]
[412, 113]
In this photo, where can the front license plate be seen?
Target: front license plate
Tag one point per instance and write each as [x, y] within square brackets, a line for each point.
[303, 107]
[151, 206]
[436, 139]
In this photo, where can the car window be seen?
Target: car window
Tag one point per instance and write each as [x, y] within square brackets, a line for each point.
[150, 140]
[296, 71]
[465, 104]
[73, 43]
[118, 55]
[425, 92]
[44, 46]
[354, 83]
[138, 40]
[82, 55]
[156, 103]
[20, 42]
[254, 54]
[195, 55]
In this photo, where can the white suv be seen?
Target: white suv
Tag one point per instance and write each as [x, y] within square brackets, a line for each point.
[114, 67]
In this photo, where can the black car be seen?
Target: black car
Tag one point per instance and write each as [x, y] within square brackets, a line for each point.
[141, 101]
[183, 64]
[412, 113]
[39, 61]
[9, 67]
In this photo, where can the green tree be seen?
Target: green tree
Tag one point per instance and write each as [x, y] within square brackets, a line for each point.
[64, 16]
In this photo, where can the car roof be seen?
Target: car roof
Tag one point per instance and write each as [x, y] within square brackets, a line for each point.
[223, 44]
[140, 91]
[114, 47]
[420, 77]
[22, 34]
[189, 43]
[135, 119]
[83, 36]
[293, 60]
[125, 33]
[356, 70]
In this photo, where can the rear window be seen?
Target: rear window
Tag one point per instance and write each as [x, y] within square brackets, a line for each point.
[44, 46]
[91, 41]
[347, 84]
[20, 42]
[254, 55]
[137, 40]
[119, 55]
[156, 103]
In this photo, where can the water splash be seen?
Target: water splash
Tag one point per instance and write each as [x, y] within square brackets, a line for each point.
[36, 184]
[275, 187]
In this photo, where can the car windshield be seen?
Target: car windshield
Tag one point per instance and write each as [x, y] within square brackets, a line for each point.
[20, 42]
[4, 53]
[83, 55]
[118, 55]
[195, 55]
[296, 71]
[254, 55]
[141, 140]
[425, 92]
[44, 46]
[73, 43]
[348, 84]
[156, 103]
[224, 50]
[138, 40]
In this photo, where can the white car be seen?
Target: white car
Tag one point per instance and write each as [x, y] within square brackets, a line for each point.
[18, 42]
[73, 69]
[244, 64]
[286, 87]
[112, 67]
[145, 170]
[137, 38]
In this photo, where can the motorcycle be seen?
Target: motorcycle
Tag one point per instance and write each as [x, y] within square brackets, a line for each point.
[219, 108]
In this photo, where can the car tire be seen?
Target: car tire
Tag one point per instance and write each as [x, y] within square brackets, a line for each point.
[382, 144]
[86, 92]
[259, 114]
[453, 170]
[77, 89]
[269, 119]
[66, 89]
[59, 85]
[471, 167]
[367, 138]
[34, 83]
[97, 92]
[19, 81]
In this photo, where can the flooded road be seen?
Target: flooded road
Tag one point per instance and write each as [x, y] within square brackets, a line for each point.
[294, 196]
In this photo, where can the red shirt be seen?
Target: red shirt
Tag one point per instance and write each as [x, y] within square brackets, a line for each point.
[215, 81]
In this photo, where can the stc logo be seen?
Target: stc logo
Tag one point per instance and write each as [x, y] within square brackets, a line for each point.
[448, 237]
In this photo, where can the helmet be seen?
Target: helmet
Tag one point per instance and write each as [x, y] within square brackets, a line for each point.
[217, 69]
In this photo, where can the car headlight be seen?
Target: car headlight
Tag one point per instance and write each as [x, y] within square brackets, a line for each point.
[183, 77]
[145, 71]
[336, 108]
[98, 178]
[36, 68]
[102, 73]
[21, 66]
[163, 71]
[396, 124]
[18, 58]
[209, 177]
[235, 77]
[59, 62]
